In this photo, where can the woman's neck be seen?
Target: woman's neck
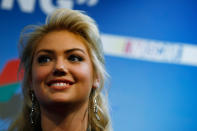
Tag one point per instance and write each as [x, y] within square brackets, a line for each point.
[69, 118]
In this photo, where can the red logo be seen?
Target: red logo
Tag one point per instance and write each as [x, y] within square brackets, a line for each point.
[10, 73]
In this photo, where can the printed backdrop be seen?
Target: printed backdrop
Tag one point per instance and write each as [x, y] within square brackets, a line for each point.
[151, 56]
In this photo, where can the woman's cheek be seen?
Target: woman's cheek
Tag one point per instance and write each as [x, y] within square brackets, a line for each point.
[40, 74]
[85, 72]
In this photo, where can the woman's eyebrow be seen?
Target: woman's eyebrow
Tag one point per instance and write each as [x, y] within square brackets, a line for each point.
[75, 49]
[66, 52]
[45, 50]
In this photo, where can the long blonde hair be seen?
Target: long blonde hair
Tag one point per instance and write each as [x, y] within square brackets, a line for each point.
[84, 26]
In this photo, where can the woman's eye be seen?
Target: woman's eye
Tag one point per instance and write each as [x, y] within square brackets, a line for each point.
[75, 58]
[43, 59]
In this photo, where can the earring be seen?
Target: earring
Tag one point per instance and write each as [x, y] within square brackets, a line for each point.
[33, 109]
[96, 110]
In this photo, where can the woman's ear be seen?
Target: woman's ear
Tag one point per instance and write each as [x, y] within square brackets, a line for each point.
[96, 83]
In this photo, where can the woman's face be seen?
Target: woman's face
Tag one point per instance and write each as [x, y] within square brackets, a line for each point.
[62, 71]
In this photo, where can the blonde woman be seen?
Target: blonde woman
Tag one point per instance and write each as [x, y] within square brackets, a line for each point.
[64, 75]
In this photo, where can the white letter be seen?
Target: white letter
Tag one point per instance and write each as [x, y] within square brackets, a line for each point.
[25, 5]
[7, 4]
[48, 7]
[92, 2]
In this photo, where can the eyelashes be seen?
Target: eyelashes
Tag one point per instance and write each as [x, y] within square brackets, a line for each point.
[43, 59]
[75, 58]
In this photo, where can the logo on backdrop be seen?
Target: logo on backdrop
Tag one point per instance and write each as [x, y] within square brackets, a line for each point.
[153, 50]
[47, 6]
[9, 79]
[149, 50]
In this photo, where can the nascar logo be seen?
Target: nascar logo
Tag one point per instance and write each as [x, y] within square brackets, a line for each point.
[150, 50]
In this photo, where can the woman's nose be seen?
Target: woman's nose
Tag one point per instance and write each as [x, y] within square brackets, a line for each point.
[60, 68]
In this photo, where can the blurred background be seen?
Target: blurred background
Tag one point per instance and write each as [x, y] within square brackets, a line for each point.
[151, 56]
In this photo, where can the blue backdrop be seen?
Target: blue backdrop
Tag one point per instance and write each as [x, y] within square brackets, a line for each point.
[144, 95]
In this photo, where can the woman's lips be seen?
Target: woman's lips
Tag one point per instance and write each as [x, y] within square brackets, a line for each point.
[60, 84]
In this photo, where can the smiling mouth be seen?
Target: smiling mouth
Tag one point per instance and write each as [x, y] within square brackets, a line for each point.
[59, 84]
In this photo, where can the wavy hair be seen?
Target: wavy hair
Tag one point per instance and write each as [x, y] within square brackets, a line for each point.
[78, 23]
